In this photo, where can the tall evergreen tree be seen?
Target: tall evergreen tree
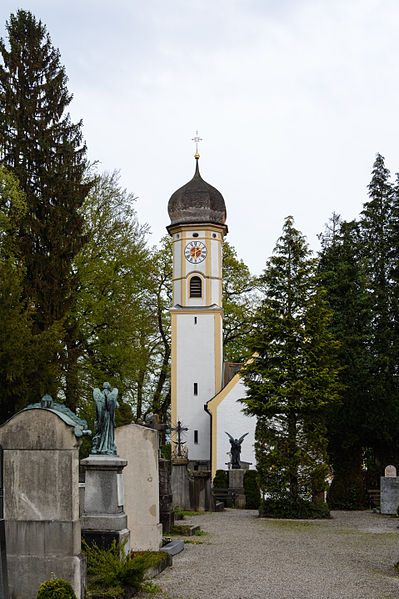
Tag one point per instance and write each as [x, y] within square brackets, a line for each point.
[295, 376]
[343, 274]
[382, 401]
[19, 348]
[45, 151]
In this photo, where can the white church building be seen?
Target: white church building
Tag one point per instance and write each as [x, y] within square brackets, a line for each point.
[204, 390]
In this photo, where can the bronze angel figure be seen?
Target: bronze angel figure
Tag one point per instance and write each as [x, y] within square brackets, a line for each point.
[106, 404]
[235, 450]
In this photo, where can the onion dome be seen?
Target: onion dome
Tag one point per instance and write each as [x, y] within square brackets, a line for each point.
[197, 202]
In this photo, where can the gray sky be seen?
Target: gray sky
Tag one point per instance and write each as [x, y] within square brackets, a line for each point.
[293, 99]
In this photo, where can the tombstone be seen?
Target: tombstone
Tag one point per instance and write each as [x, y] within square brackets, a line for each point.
[201, 499]
[103, 516]
[390, 471]
[180, 483]
[3, 552]
[3, 563]
[41, 502]
[389, 491]
[139, 446]
[166, 514]
[236, 487]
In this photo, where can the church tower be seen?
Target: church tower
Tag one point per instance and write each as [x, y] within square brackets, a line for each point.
[197, 213]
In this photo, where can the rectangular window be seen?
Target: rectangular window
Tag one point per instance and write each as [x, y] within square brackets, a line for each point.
[195, 436]
[195, 388]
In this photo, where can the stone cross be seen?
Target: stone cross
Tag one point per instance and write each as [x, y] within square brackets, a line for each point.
[390, 471]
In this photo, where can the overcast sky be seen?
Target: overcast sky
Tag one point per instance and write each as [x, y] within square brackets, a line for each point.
[293, 99]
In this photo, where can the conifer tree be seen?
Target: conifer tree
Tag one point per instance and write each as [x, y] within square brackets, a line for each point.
[382, 401]
[343, 274]
[45, 151]
[19, 349]
[295, 376]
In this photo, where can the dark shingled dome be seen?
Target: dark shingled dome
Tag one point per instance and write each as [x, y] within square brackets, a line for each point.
[197, 202]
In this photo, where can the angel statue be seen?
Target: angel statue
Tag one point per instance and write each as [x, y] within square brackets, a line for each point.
[106, 403]
[235, 450]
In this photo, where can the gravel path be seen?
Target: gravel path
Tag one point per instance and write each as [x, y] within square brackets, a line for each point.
[350, 556]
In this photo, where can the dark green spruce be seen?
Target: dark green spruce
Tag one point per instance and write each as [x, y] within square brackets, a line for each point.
[44, 150]
[344, 275]
[293, 380]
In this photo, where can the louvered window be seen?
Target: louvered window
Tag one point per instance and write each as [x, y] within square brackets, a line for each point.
[195, 287]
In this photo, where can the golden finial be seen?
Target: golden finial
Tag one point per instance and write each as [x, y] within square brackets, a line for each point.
[196, 139]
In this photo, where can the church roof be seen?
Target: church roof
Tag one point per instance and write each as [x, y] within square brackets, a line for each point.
[197, 202]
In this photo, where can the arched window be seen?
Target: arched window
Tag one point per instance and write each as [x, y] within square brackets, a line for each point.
[195, 287]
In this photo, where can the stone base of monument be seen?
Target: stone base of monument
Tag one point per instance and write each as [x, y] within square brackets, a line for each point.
[201, 498]
[166, 514]
[180, 483]
[3, 563]
[236, 487]
[389, 494]
[103, 518]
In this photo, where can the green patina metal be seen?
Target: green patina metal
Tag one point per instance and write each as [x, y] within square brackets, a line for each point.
[47, 403]
[106, 404]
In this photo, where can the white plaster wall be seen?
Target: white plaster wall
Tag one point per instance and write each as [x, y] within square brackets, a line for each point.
[139, 446]
[230, 418]
[177, 259]
[195, 364]
[177, 293]
[215, 283]
[215, 257]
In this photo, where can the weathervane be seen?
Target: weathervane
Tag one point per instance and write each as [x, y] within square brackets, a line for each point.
[197, 139]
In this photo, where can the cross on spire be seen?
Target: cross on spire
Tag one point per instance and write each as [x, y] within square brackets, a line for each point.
[196, 139]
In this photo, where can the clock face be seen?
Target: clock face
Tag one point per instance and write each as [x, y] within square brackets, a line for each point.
[195, 252]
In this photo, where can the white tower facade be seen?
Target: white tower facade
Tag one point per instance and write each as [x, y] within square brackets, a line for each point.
[197, 228]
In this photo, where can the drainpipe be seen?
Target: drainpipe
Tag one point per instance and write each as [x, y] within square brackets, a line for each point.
[210, 436]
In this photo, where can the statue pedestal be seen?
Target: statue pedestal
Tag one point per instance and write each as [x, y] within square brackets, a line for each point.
[103, 518]
[236, 487]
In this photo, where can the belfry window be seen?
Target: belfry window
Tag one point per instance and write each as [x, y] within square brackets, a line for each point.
[195, 287]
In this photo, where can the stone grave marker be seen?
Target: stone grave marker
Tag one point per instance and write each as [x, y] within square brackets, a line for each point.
[103, 516]
[3, 553]
[390, 471]
[389, 487]
[41, 502]
[139, 446]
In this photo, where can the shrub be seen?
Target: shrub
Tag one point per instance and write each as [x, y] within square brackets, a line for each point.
[166, 451]
[288, 508]
[221, 480]
[112, 568]
[56, 589]
[251, 488]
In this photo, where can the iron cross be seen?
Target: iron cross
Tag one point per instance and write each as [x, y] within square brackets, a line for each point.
[179, 429]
